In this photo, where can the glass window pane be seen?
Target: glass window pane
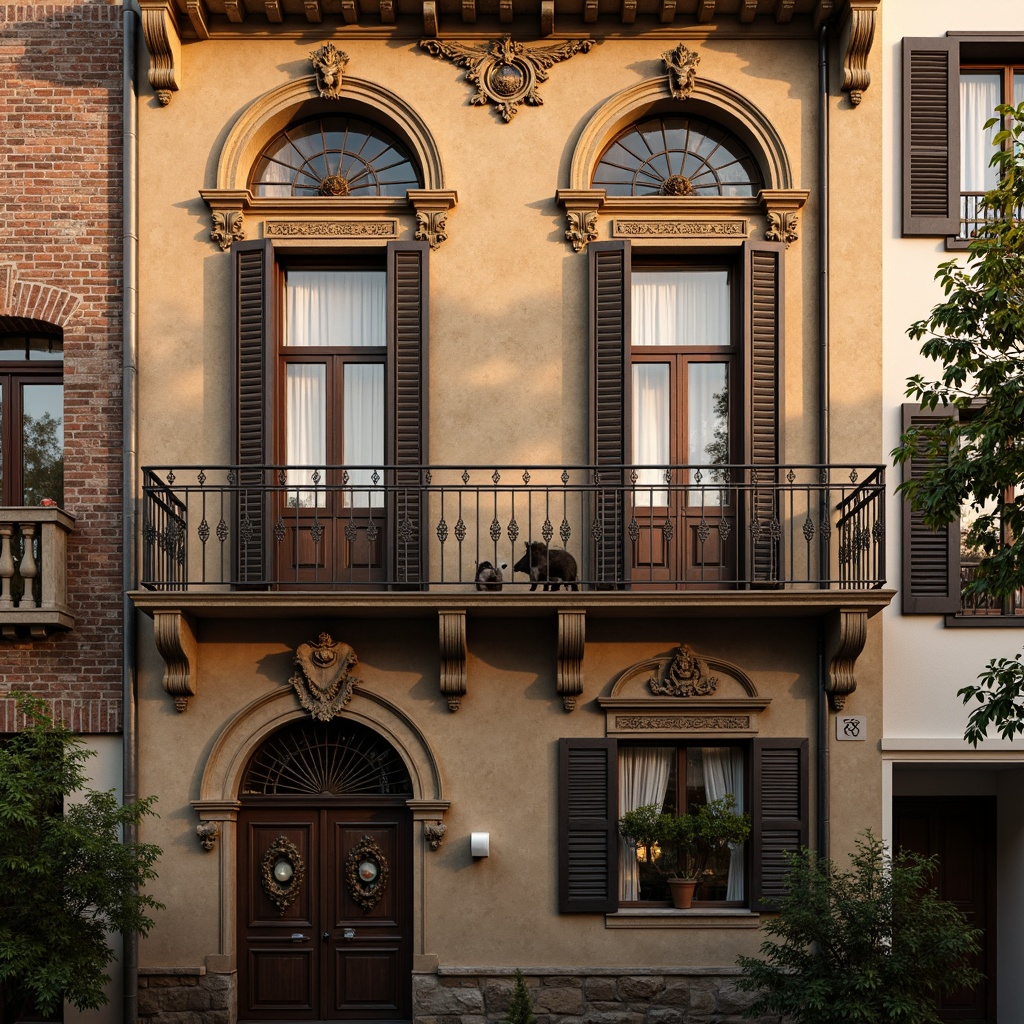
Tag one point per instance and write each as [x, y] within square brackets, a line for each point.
[980, 92]
[651, 431]
[707, 427]
[364, 433]
[336, 307]
[716, 773]
[681, 307]
[1018, 88]
[306, 433]
[42, 439]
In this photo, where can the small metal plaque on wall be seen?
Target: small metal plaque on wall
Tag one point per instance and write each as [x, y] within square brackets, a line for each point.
[851, 727]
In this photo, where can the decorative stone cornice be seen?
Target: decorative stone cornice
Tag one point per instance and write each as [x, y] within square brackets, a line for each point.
[175, 638]
[847, 634]
[452, 637]
[572, 632]
[858, 34]
[160, 30]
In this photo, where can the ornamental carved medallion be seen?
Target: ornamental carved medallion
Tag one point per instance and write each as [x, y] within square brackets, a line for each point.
[329, 65]
[366, 874]
[681, 64]
[322, 679]
[506, 73]
[282, 871]
[685, 675]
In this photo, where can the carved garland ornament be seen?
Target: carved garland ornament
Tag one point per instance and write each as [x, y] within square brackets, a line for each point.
[323, 681]
[366, 873]
[685, 676]
[282, 871]
[505, 72]
[329, 66]
[682, 71]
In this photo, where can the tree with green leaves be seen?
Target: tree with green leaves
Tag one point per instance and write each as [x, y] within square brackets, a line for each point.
[871, 945]
[520, 1010]
[973, 459]
[67, 878]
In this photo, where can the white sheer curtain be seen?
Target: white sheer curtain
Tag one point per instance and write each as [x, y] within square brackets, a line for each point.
[643, 779]
[364, 431]
[651, 431]
[336, 307]
[681, 307]
[306, 430]
[723, 773]
[980, 92]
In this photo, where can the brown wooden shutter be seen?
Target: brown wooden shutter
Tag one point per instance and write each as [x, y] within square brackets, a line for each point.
[610, 411]
[252, 278]
[588, 801]
[931, 558]
[407, 354]
[931, 137]
[779, 815]
[763, 339]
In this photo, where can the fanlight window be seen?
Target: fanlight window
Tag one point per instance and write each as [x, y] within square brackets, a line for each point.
[677, 156]
[334, 156]
[336, 758]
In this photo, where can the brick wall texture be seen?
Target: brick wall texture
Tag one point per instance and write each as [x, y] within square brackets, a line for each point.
[60, 260]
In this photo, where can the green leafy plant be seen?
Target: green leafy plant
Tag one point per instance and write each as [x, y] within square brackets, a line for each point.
[520, 1011]
[871, 945]
[686, 842]
[66, 877]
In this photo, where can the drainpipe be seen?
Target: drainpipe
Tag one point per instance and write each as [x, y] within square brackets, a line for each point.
[129, 432]
[823, 811]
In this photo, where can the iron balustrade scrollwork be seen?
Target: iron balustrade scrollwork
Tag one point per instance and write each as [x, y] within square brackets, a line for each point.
[430, 527]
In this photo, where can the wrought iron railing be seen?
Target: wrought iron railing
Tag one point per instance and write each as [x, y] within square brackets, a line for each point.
[974, 214]
[431, 527]
[986, 604]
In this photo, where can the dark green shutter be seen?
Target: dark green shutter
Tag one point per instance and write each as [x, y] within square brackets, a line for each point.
[762, 343]
[407, 350]
[931, 558]
[931, 137]
[610, 413]
[779, 815]
[588, 801]
[252, 276]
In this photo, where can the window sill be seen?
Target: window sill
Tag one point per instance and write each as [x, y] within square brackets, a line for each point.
[697, 917]
[984, 621]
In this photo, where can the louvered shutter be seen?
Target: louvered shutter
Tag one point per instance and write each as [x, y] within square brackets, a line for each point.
[931, 137]
[252, 275]
[588, 801]
[407, 354]
[610, 413]
[779, 815]
[763, 337]
[931, 558]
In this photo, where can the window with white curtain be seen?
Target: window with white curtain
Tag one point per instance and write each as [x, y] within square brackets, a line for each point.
[679, 779]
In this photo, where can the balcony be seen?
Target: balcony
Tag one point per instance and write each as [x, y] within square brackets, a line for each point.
[33, 572]
[428, 528]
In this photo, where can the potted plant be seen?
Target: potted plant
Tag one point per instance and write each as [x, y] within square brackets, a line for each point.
[679, 846]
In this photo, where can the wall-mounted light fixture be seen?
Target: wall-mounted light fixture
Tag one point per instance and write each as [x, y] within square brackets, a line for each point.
[480, 844]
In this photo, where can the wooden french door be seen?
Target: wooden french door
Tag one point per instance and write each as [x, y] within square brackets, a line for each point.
[324, 913]
[962, 832]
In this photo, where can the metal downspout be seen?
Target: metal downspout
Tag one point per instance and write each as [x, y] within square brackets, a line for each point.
[823, 809]
[129, 432]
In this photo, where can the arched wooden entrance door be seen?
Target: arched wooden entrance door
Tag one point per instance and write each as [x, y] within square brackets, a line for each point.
[325, 877]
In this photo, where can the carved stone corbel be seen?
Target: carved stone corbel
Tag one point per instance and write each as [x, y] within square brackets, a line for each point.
[434, 833]
[432, 206]
[175, 638]
[227, 227]
[581, 208]
[858, 34]
[847, 634]
[208, 832]
[160, 31]
[452, 635]
[780, 206]
[572, 632]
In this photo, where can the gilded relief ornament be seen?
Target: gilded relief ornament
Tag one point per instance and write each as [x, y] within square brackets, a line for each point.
[682, 71]
[329, 65]
[322, 680]
[685, 676]
[366, 873]
[282, 870]
[506, 73]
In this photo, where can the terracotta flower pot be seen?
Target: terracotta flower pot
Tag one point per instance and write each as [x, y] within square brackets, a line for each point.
[682, 892]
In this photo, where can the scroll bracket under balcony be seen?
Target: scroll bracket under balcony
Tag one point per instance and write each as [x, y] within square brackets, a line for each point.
[175, 636]
[847, 634]
[452, 639]
[572, 632]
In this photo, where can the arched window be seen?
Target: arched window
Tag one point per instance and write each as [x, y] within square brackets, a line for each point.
[31, 415]
[677, 156]
[334, 156]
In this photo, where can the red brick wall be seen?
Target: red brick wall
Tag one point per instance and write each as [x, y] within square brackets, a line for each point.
[60, 228]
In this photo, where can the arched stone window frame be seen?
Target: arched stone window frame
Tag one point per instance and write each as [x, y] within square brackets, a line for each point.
[655, 220]
[236, 212]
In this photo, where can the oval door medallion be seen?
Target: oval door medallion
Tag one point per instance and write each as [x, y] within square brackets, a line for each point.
[366, 873]
[282, 871]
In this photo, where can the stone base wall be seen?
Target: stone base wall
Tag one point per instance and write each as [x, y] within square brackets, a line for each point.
[186, 996]
[586, 996]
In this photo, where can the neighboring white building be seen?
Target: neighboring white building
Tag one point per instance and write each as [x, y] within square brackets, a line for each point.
[939, 793]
